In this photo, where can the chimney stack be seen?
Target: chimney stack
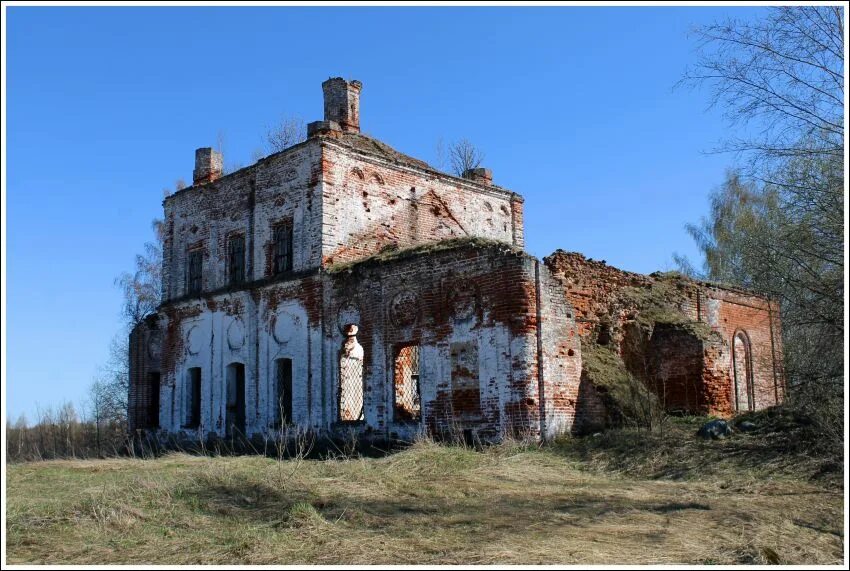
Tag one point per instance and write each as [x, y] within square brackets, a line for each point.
[479, 175]
[342, 103]
[207, 165]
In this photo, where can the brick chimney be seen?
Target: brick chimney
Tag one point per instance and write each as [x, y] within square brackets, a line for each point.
[342, 103]
[207, 165]
[479, 175]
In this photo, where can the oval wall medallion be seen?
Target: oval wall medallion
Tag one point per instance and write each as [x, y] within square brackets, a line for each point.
[284, 326]
[463, 299]
[404, 308]
[235, 334]
[193, 340]
[348, 313]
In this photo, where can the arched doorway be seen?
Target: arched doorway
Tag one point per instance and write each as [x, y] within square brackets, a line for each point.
[742, 365]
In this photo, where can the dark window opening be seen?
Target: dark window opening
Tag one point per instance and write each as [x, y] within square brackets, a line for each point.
[193, 398]
[196, 264]
[152, 420]
[284, 392]
[604, 333]
[408, 407]
[236, 259]
[282, 247]
[235, 412]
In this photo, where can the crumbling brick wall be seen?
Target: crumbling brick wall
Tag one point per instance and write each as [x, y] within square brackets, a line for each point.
[479, 298]
[427, 265]
[377, 199]
[249, 202]
[560, 353]
[144, 390]
[677, 333]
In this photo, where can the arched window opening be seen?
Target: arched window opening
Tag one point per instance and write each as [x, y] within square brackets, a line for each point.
[742, 373]
[406, 383]
[351, 377]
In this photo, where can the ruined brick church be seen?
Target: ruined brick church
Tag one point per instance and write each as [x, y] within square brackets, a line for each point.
[340, 285]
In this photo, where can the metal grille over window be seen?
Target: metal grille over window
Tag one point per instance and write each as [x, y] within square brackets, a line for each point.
[283, 247]
[195, 271]
[237, 259]
[407, 403]
[351, 378]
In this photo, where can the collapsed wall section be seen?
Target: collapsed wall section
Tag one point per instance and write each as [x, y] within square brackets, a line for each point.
[702, 348]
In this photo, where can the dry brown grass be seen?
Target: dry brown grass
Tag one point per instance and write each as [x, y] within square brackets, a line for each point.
[428, 504]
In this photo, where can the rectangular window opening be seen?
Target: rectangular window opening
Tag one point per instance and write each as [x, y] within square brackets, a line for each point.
[196, 262]
[282, 235]
[193, 398]
[408, 406]
[236, 259]
[153, 401]
[283, 414]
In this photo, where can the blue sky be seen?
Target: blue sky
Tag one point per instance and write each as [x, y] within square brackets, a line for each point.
[573, 107]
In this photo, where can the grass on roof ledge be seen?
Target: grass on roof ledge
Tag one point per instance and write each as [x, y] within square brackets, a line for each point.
[392, 253]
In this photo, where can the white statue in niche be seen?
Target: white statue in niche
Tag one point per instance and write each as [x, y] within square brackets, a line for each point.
[351, 377]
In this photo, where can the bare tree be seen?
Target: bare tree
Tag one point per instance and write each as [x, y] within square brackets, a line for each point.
[142, 288]
[783, 76]
[463, 155]
[289, 131]
[776, 224]
[142, 292]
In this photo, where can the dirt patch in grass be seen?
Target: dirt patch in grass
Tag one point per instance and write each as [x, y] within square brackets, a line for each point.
[509, 504]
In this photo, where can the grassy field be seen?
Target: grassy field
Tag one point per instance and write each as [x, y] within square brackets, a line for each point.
[616, 498]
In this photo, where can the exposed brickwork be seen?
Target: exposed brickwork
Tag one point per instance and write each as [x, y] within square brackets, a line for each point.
[691, 369]
[389, 253]
[372, 201]
[145, 353]
[473, 314]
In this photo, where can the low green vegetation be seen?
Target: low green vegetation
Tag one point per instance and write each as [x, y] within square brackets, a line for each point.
[613, 498]
[627, 399]
[656, 304]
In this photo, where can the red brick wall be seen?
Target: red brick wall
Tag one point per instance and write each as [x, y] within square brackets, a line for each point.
[370, 203]
[145, 350]
[485, 296]
[695, 374]
[729, 312]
